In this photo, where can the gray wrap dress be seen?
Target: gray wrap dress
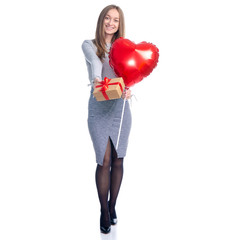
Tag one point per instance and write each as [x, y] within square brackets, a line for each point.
[104, 116]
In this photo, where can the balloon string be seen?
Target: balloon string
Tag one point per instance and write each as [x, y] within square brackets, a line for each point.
[120, 127]
[131, 99]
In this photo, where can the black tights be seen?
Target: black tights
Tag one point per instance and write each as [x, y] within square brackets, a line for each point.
[108, 181]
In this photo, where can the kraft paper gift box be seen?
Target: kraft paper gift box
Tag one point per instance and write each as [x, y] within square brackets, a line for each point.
[109, 89]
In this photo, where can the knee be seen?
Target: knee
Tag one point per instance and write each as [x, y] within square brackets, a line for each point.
[117, 163]
[106, 162]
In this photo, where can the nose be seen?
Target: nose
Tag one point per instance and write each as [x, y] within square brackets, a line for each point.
[110, 22]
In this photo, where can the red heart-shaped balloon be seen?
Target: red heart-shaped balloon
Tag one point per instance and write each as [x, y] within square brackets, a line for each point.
[133, 61]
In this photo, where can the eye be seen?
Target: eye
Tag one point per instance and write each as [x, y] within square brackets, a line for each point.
[116, 20]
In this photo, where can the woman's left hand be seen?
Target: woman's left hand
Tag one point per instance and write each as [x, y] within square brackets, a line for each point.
[126, 93]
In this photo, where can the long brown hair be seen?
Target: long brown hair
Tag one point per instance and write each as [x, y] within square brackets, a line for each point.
[99, 40]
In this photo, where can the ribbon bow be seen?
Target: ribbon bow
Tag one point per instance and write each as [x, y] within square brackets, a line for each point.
[104, 86]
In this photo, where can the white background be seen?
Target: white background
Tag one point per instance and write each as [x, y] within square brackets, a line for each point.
[182, 168]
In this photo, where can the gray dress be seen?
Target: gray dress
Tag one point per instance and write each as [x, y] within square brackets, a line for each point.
[104, 116]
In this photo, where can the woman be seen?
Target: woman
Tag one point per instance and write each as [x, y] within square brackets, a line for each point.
[104, 116]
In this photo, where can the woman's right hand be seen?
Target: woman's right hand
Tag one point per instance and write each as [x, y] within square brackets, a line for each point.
[96, 81]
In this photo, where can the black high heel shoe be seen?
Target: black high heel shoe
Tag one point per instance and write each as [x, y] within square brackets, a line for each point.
[105, 230]
[113, 216]
[113, 221]
[105, 227]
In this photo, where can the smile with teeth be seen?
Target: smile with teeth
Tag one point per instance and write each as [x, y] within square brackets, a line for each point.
[109, 28]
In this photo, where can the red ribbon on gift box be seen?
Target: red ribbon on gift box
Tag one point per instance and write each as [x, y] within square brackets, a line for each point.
[104, 86]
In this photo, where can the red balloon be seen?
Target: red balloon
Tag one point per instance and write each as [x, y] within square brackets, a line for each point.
[133, 61]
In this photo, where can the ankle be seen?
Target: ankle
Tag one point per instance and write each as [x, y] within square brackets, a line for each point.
[112, 209]
[105, 219]
[104, 212]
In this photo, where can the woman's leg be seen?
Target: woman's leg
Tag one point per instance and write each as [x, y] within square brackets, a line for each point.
[103, 184]
[116, 176]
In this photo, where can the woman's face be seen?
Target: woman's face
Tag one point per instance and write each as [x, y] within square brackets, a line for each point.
[111, 22]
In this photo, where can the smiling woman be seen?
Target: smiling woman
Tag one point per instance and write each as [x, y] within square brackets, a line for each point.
[104, 117]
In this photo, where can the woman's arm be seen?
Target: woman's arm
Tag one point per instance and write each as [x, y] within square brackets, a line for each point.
[92, 59]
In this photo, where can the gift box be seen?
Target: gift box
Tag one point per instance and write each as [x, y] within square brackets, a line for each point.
[109, 89]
